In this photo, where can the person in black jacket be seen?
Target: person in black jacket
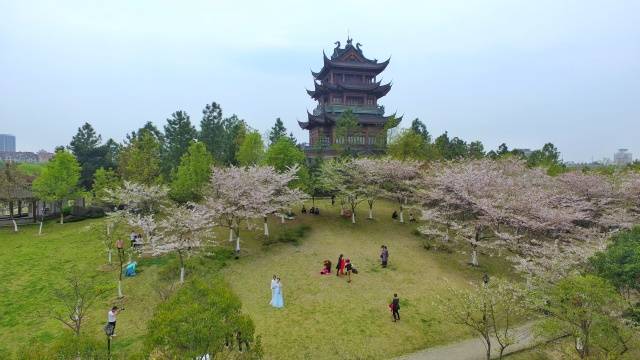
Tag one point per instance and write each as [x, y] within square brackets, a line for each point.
[395, 308]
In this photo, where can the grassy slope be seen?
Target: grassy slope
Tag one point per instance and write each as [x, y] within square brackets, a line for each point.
[324, 317]
[32, 266]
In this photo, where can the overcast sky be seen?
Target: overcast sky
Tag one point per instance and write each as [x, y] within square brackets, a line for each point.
[520, 72]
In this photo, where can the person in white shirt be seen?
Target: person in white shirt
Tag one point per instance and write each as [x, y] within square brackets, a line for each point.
[111, 319]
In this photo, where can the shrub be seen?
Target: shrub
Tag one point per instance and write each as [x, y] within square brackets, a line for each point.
[293, 235]
[201, 318]
[66, 347]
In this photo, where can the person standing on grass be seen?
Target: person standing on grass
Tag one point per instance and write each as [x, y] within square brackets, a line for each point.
[278, 299]
[349, 268]
[395, 307]
[384, 255]
[273, 289]
[340, 266]
[111, 319]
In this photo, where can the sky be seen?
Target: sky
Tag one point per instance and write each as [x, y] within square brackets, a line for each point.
[520, 72]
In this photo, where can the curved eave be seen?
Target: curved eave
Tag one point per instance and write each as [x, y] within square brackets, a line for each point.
[303, 124]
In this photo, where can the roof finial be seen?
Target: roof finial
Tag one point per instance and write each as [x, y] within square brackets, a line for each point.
[349, 39]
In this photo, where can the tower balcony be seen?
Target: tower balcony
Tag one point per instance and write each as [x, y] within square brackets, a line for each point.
[358, 109]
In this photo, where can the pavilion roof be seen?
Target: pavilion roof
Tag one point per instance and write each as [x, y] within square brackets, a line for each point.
[372, 88]
[349, 58]
[327, 119]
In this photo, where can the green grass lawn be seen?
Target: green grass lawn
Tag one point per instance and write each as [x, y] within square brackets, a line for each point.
[324, 316]
[32, 266]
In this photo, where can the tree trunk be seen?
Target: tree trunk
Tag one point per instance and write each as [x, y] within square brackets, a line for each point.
[401, 217]
[353, 217]
[61, 217]
[109, 251]
[238, 244]
[40, 230]
[266, 227]
[282, 219]
[474, 258]
[19, 208]
[341, 211]
[181, 267]
[488, 348]
[11, 209]
[120, 296]
[230, 234]
[15, 225]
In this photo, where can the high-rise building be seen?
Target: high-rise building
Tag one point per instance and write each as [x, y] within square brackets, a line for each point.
[348, 82]
[622, 157]
[7, 143]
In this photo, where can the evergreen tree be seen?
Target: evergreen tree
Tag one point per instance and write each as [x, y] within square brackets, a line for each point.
[277, 131]
[140, 160]
[91, 155]
[103, 181]
[421, 129]
[235, 132]
[148, 127]
[442, 144]
[213, 132]
[475, 150]
[192, 174]
[179, 133]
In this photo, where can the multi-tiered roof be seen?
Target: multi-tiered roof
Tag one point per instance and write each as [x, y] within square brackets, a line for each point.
[348, 81]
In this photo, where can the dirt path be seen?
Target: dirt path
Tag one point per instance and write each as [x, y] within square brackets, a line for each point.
[474, 349]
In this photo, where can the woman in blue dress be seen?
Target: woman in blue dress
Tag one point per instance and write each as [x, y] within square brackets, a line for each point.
[278, 300]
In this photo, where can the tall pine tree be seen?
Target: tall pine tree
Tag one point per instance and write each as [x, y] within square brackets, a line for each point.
[178, 133]
[277, 131]
[213, 132]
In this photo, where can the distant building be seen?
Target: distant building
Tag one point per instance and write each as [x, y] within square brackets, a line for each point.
[7, 143]
[18, 156]
[44, 156]
[622, 157]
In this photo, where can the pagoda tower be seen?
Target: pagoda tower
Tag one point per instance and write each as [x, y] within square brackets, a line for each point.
[348, 82]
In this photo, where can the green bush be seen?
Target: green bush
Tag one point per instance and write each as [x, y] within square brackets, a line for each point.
[66, 210]
[67, 347]
[202, 317]
[293, 235]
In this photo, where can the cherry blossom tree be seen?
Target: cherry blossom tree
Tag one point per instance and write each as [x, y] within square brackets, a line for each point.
[139, 198]
[371, 178]
[346, 178]
[139, 205]
[185, 230]
[399, 180]
[507, 205]
[240, 195]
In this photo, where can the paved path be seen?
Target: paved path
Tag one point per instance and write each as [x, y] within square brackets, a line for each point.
[474, 349]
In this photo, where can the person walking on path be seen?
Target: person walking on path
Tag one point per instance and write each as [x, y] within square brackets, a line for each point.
[278, 299]
[384, 255]
[340, 266]
[395, 308]
[111, 320]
